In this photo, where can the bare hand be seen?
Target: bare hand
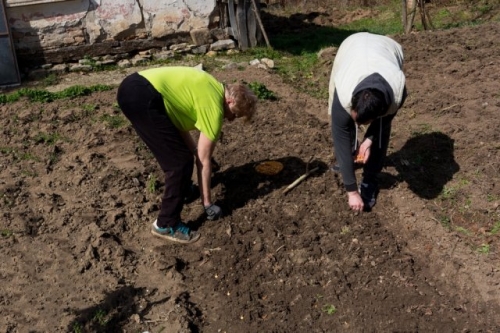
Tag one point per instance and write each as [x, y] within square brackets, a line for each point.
[364, 150]
[355, 201]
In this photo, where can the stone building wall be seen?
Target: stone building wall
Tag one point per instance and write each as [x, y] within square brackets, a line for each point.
[57, 31]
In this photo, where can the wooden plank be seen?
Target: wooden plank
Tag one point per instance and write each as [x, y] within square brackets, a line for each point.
[252, 27]
[241, 16]
[262, 31]
[224, 21]
[232, 20]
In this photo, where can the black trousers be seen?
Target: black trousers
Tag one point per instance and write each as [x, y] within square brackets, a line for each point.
[143, 105]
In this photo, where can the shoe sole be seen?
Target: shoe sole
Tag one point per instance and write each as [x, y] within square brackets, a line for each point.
[176, 240]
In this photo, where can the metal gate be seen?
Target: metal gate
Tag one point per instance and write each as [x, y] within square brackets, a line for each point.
[9, 71]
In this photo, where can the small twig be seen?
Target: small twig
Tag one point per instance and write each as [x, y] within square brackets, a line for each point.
[296, 182]
[279, 248]
[106, 209]
[448, 107]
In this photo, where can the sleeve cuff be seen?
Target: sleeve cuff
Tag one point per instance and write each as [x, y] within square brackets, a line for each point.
[351, 187]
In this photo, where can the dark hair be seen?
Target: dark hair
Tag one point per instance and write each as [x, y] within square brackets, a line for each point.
[369, 104]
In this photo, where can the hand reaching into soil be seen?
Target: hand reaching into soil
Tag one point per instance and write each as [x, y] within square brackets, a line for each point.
[214, 212]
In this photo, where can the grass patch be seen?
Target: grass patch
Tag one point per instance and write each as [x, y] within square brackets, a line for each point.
[463, 231]
[445, 222]
[50, 80]
[100, 317]
[46, 138]
[44, 96]
[496, 228]
[7, 150]
[386, 22]
[460, 15]
[29, 157]
[28, 173]
[484, 249]
[89, 108]
[345, 230]
[152, 183]
[329, 309]
[261, 91]
[113, 121]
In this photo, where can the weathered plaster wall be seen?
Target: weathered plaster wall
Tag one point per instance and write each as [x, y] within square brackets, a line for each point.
[42, 28]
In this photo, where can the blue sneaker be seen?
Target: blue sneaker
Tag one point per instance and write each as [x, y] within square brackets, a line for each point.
[180, 233]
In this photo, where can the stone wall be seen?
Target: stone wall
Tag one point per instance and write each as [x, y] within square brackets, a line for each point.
[68, 30]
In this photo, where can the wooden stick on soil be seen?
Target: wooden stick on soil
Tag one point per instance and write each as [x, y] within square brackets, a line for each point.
[298, 180]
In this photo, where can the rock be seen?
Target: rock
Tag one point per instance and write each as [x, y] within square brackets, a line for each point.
[225, 44]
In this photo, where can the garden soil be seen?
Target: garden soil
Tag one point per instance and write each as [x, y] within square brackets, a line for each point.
[79, 192]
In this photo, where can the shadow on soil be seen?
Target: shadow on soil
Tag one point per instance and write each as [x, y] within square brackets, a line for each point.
[298, 34]
[426, 162]
[110, 315]
[242, 184]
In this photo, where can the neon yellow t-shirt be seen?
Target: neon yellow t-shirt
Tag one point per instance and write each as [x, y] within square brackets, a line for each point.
[193, 98]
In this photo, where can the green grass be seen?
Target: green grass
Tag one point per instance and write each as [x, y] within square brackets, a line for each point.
[100, 317]
[44, 96]
[345, 230]
[474, 13]
[7, 150]
[89, 108]
[50, 80]
[329, 309]
[484, 249]
[445, 222]
[114, 121]
[261, 91]
[295, 52]
[29, 157]
[152, 183]
[496, 228]
[46, 138]
[387, 22]
[463, 230]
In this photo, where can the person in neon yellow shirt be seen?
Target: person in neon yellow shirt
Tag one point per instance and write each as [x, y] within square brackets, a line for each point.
[164, 104]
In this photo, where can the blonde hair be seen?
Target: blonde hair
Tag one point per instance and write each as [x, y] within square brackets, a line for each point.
[245, 101]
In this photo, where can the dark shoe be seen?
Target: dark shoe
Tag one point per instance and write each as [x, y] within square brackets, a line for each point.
[180, 233]
[369, 192]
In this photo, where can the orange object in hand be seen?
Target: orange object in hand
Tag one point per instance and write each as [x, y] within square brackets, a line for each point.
[359, 159]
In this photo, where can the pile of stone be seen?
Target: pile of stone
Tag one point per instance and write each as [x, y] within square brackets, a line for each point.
[125, 60]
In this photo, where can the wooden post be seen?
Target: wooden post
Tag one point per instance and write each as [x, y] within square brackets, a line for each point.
[246, 23]
[412, 6]
[252, 27]
[241, 18]
[232, 20]
[257, 15]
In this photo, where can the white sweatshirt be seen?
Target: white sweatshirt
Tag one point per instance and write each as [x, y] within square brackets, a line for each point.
[361, 55]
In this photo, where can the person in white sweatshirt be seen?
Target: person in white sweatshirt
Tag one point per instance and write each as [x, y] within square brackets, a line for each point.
[367, 87]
